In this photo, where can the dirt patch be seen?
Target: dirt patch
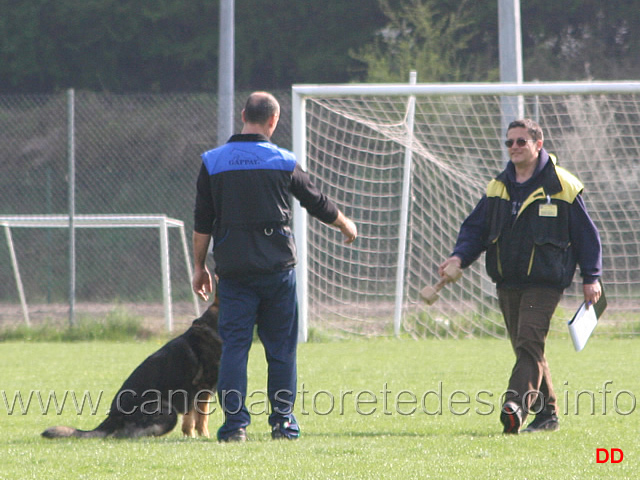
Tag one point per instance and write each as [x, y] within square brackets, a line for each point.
[151, 314]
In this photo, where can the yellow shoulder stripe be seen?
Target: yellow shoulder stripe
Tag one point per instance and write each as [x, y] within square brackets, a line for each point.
[497, 189]
[571, 186]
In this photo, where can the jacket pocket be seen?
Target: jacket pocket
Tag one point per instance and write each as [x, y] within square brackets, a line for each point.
[492, 261]
[548, 261]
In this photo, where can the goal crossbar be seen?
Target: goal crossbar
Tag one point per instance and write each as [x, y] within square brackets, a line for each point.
[161, 222]
[406, 89]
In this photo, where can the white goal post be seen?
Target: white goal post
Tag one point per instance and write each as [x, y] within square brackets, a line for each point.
[362, 142]
[161, 222]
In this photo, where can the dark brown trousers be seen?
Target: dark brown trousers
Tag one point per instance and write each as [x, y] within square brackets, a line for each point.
[527, 314]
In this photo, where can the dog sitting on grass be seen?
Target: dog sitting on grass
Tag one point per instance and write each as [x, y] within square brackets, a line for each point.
[180, 378]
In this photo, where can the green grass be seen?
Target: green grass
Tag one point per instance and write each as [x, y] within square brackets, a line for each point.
[382, 441]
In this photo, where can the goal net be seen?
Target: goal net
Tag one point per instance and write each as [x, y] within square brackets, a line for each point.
[409, 162]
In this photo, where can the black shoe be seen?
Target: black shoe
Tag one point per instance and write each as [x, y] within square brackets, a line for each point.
[239, 435]
[511, 417]
[286, 430]
[543, 423]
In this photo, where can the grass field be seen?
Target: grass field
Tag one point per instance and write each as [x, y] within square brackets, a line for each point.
[356, 405]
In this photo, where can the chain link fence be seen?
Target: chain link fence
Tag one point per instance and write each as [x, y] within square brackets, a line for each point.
[134, 154]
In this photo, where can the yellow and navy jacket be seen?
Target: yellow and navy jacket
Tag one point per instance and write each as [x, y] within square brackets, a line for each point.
[243, 200]
[535, 233]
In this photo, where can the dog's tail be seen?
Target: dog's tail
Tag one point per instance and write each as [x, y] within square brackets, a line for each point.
[68, 432]
[105, 429]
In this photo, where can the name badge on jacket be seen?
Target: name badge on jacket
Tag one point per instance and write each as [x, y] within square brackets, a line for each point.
[548, 210]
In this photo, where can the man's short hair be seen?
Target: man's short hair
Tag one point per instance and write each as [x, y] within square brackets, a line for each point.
[260, 107]
[532, 127]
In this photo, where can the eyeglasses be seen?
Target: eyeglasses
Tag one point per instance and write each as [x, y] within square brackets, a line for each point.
[521, 142]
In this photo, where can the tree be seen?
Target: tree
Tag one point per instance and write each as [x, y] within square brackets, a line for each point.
[581, 39]
[172, 45]
[443, 41]
[458, 41]
[110, 45]
[282, 42]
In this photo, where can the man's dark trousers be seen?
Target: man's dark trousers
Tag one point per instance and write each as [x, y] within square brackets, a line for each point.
[527, 314]
[268, 301]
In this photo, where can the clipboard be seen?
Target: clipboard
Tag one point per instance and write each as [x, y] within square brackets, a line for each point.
[584, 321]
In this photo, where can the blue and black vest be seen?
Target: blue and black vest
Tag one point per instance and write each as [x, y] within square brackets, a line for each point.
[252, 233]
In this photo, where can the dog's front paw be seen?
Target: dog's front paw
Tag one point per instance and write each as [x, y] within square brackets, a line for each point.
[189, 424]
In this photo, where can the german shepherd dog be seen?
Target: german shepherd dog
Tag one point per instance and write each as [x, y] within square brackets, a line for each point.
[180, 378]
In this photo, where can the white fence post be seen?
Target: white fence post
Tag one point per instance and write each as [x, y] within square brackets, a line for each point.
[71, 149]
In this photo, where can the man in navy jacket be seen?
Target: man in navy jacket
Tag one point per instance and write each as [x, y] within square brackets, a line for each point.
[243, 203]
[533, 225]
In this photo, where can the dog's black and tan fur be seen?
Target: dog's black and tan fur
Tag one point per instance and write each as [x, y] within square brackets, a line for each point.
[177, 379]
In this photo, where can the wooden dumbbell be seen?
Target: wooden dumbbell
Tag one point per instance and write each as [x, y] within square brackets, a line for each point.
[451, 274]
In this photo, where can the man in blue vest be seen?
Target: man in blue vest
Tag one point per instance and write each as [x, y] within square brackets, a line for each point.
[533, 225]
[243, 203]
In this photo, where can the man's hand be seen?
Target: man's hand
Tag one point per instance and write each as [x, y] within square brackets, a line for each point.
[347, 227]
[202, 283]
[592, 292]
[454, 261]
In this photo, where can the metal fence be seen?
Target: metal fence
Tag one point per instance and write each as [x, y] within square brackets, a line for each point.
[134, 154]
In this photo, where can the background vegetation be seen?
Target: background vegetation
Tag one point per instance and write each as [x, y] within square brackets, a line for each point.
[169, 46]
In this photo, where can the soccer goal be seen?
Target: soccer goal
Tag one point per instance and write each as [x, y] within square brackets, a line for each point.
[408, 162]
[160, 222]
